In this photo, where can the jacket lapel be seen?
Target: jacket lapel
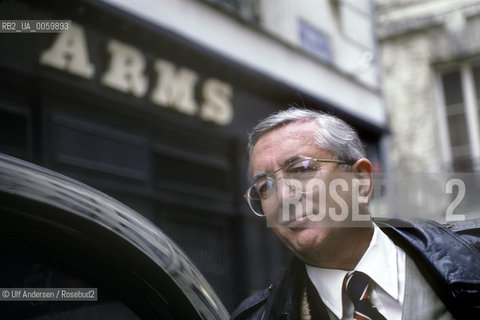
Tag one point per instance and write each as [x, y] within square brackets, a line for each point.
[287, 300]
[318, 310]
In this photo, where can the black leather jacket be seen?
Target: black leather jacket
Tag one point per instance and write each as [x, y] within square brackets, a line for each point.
[447, 255]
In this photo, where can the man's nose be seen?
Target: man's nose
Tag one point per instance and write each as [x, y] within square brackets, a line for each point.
[284, 189]
[288, 191]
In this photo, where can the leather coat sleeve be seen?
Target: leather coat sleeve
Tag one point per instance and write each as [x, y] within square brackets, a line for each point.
[252, 307]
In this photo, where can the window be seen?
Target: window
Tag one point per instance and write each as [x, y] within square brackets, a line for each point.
[460, 96]
[246, 9]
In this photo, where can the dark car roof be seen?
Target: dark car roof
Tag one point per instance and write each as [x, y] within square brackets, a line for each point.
[23, 180]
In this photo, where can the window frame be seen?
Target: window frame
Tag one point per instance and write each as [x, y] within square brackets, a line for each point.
[471, 107]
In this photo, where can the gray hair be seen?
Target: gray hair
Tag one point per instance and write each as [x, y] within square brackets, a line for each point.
[333, 134]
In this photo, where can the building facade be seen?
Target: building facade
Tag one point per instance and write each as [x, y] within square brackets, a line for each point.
[430, 57]
[151, 101]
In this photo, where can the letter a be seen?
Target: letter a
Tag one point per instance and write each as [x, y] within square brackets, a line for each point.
[69, 52]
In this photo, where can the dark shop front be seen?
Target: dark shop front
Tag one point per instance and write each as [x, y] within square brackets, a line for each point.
[153, 120]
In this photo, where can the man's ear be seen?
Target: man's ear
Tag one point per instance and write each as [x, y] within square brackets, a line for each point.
[363, 173]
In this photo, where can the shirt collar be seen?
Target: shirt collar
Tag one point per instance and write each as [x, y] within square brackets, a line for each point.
[328, 283]
[379, 262]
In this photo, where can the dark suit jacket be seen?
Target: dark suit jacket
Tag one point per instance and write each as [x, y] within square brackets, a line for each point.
[448, 257]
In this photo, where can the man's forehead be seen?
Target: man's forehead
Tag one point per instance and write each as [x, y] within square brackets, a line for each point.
[299, 126]
[285, 144]
[293, 130]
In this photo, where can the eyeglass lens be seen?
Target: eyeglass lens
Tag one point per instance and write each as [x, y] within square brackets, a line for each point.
[262, 196]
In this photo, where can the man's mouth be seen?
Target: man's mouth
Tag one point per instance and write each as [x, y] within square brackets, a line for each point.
[298, 223]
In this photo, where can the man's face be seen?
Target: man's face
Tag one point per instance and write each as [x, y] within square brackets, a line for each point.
[306, 240]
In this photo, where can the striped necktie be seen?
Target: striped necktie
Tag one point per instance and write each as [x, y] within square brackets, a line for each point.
[357, 286]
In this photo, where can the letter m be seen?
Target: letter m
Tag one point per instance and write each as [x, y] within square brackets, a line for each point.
[175, 88]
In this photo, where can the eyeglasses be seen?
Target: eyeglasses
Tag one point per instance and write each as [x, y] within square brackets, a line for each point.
[262, 194]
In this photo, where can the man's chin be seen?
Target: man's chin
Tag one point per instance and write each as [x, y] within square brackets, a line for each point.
[307, 240]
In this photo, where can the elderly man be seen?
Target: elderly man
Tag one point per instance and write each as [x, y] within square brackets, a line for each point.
[312, 182]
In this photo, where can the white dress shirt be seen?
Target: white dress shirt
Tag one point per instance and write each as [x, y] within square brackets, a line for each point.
[384, 263]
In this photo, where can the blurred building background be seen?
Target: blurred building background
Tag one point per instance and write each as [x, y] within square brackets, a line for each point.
[150, 101]
[430, 59]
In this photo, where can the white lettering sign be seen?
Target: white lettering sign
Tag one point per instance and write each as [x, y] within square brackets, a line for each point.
[175, 88]
[69, 53]
[127, 72]
[217, 107]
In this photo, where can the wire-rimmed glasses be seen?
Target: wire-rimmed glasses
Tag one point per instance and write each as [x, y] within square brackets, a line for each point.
[261, 195]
